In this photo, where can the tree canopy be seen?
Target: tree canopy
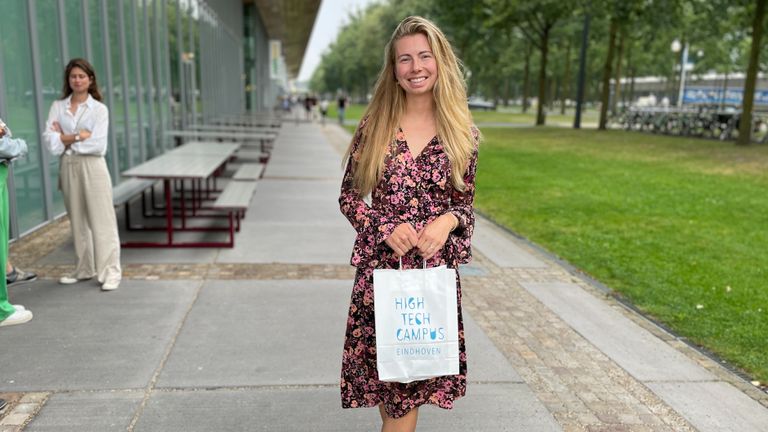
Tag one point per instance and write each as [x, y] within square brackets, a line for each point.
[509, 47]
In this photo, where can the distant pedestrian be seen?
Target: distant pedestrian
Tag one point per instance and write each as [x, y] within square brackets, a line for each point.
[323, 110]
[415, 155]
[308, 104]
[76, 130]
[341, 107]
[10, 149]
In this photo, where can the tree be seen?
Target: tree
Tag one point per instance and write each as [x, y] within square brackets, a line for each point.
[606, 94]
[745, 126]
[536, 20]
[622, 12]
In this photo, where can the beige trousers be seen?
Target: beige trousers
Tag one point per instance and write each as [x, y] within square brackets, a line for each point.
[87, 189]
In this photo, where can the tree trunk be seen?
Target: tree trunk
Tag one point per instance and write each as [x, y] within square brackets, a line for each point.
[605, 98]
[552, 92]
[745, 123]
[631, 72]
[582, 74]
[617, 85]
[682, 59]
[725, 89]
[540, 117]
[527, 77]
[566, 78]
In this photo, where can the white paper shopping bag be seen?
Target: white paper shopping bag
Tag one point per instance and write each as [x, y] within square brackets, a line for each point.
[417, 329]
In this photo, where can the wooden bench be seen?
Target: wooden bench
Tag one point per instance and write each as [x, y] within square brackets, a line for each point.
[249, 171]
[235, 199]
[124, 192]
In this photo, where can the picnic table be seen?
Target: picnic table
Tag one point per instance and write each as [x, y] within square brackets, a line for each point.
[233, 128]
[243, 137]
[248, 120]
[198, 162]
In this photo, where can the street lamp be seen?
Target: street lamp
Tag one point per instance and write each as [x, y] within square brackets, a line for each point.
[675, 47]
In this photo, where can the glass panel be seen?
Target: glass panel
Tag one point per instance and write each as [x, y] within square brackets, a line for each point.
[194, 50]
[20, 104]
[52, 72]
[99, 63]
[133, 89]
[149, 116]
[73, 13]
[173, 53]
[118, 91]
[164, 77]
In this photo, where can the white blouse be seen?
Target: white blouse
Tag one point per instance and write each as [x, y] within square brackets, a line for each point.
[91, 115]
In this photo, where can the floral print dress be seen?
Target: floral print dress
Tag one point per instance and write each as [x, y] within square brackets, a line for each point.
[415, 190]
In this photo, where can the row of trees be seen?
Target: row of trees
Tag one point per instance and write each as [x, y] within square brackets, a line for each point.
[511, 47]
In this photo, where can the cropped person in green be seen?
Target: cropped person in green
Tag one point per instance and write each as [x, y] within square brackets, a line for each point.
[9, 150]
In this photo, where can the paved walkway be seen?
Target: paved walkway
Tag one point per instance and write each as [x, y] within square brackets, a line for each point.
[249, 338]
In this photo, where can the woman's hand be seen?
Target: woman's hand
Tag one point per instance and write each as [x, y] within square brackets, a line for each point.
[84, 134]
[402, 239]
[56, 127]
[433, 237]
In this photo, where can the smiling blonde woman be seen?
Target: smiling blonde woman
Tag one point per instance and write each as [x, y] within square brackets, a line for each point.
[415, 154]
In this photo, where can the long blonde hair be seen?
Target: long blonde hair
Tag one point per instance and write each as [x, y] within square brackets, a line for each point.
[388, 105]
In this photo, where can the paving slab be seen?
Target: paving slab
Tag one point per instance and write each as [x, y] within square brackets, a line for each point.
[488, 407]
[87, 412]
[297, 152]
[246, 333]
[65, 254]
[82, 338]
[305, 149]
[492, 242]
[303, 212]
[294, 201]
[632, 347]
[303, 170]
[485, 363]
[298, 189]
[304, 243]
[243, 333]
[713, 406]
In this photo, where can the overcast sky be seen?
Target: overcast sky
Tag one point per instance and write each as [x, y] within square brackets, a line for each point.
[332, 15]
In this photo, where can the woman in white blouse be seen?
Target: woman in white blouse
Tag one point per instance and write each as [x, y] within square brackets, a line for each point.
[76, 131]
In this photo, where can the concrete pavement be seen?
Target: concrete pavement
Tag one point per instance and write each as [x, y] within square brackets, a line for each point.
[250, 338]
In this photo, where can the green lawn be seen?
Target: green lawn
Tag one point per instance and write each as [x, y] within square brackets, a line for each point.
[503, 115]
[677, 226]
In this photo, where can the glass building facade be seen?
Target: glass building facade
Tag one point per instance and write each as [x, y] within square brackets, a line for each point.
[160, 65]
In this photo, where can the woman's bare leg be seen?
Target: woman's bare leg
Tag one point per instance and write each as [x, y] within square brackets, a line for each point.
[406, 423]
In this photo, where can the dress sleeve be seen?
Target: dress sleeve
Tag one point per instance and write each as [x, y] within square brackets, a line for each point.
[462, 206]
[372, 226]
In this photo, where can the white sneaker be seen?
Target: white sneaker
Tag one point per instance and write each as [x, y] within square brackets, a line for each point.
[110, 285]
[18, 317]
[69, 280]
[19, 307]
